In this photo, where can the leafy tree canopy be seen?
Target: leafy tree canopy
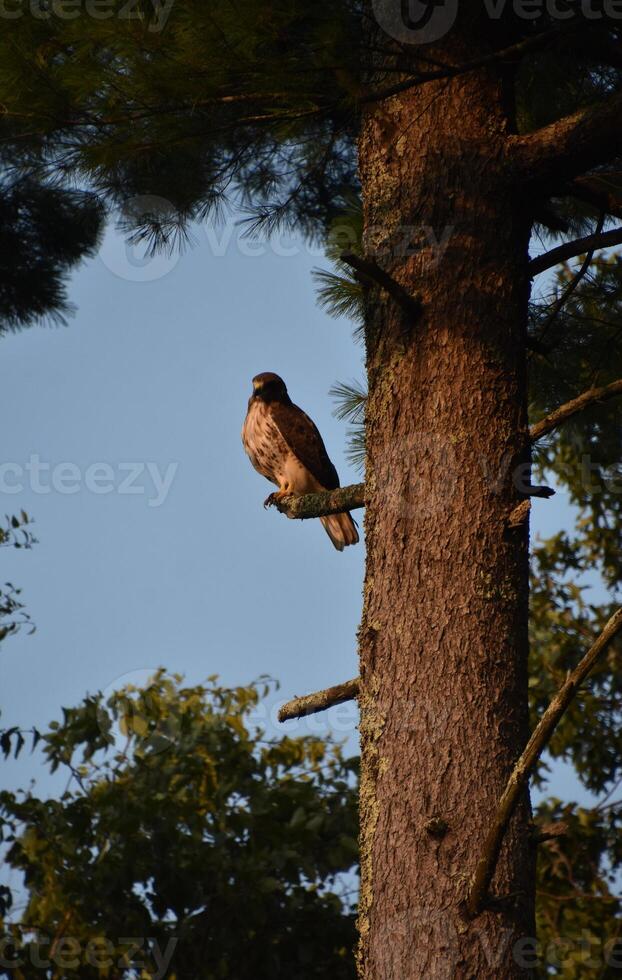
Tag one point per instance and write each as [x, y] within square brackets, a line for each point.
[184, 825]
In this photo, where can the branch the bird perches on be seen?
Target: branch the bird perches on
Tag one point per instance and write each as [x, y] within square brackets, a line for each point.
[352, 497]
[306, 505]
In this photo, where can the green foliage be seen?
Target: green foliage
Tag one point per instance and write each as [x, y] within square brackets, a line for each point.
[252, 102]
[339, 293]
[182, 822]
[44, 232]
[585, 350]
[16, 533]
[579, 883]
[350, 401]
[578, 911]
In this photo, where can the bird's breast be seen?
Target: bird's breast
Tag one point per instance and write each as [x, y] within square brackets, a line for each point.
[263, 442]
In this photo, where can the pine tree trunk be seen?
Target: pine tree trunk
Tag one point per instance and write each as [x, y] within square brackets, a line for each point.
[443, 639]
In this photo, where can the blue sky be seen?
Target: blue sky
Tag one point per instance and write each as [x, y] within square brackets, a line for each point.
[150, 380]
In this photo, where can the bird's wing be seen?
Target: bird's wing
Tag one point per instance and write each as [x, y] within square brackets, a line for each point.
[305, 441]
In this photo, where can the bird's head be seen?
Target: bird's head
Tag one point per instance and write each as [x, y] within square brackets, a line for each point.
[269, 387]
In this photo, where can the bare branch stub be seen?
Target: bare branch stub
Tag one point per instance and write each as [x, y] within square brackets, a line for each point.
[370, 269]
[320, 700]
[478, 898]
[535, 491]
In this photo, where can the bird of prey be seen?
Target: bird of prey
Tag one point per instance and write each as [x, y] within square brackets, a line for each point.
[284, 445]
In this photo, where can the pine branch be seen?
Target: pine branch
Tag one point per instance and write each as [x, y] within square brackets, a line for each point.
[572, 145]
[322, 504]
[512, 53]
[603, 239]
[369, 269]
[570, 288]
[573, 407]
[540, 738]
[320, 700]
[592, 192]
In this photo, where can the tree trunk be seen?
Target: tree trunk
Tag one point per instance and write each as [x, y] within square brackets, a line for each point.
[443, 640]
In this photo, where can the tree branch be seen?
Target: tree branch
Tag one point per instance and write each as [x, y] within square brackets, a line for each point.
[593, 191]
[540, 738]
[570, 288]
[534, 491]
[352, 497]
[569, 250]
[371, 270]
[512, 53]
[302, 506]
[566, 411]
[572, 145]
[320, 700]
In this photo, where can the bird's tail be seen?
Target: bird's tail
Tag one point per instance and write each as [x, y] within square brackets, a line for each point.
[341, 530]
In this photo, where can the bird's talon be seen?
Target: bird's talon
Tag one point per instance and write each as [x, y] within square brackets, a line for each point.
[275, 498]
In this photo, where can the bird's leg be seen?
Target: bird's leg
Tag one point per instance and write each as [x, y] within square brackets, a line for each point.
[273, 499]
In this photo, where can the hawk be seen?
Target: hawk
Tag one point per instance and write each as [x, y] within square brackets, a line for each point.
[284, 445]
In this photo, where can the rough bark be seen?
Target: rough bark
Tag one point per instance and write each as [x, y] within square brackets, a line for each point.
[443, 641]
